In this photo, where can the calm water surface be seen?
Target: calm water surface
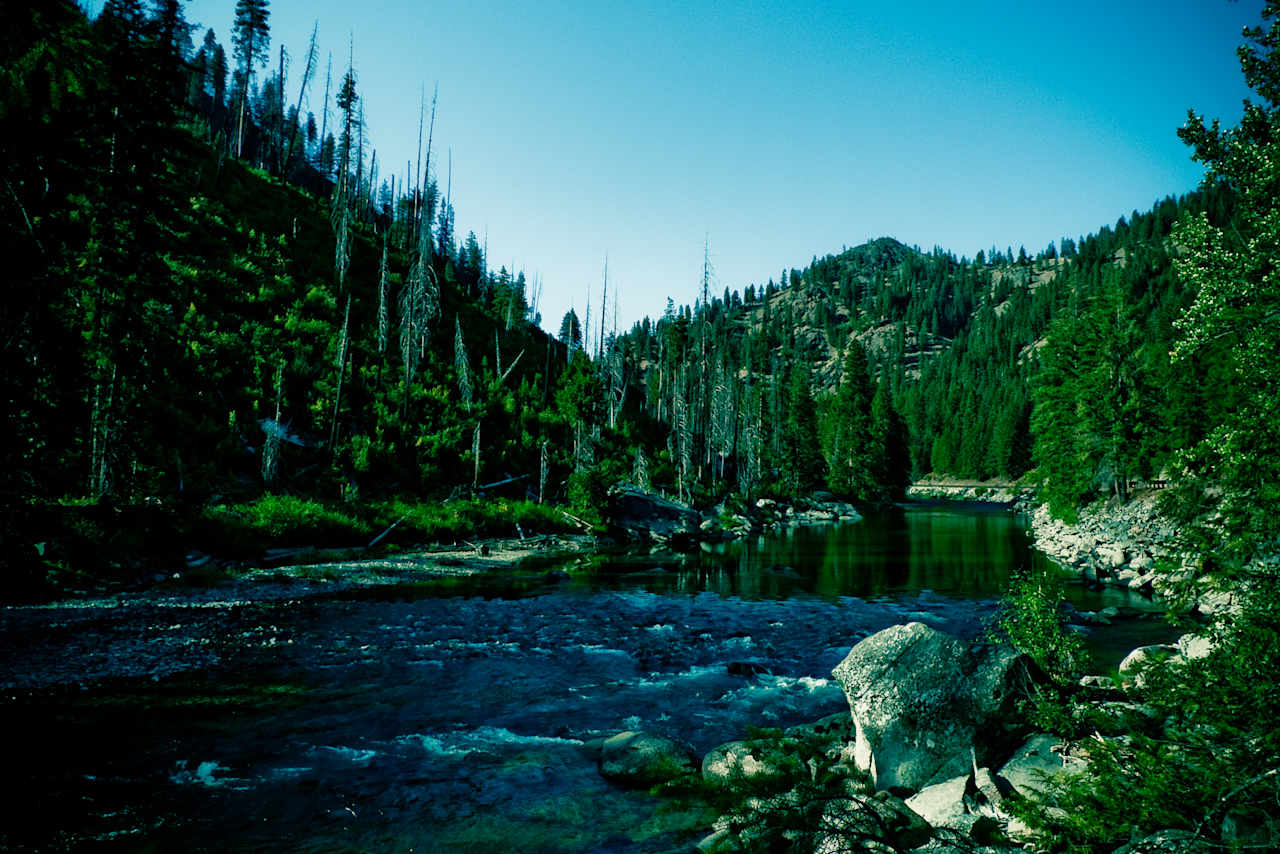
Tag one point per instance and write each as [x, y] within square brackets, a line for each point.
[452, 716]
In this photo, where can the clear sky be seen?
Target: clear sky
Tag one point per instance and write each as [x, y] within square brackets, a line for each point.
[778, 131]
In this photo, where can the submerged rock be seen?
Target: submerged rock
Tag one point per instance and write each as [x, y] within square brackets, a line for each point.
[643, 759]
[921, 700]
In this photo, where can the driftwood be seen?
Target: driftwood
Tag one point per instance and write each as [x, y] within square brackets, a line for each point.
[392, 527]
[584, 524]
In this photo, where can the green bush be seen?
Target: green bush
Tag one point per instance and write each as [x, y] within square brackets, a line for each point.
[280, 520]
[1030, 618]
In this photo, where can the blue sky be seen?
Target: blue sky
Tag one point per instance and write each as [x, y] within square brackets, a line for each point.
[777, 131]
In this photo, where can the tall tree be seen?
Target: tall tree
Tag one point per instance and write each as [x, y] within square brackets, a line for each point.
[854, 451]
[250, 37]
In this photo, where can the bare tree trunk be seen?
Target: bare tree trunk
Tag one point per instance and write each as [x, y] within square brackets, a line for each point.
[100, 434]
[342, 369]
[271, 445]
[307, 71]
[384, 310]
[542, 472]
[324, 113]
[460, 365]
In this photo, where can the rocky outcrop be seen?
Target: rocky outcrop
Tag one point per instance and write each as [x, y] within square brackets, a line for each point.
[637, 515]
[943, 490]
[642, 759]
[924, 702]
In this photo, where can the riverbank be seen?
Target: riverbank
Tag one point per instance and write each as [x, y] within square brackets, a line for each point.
[77, 549]
[1131, 546]
[941, 488]
[454, 713]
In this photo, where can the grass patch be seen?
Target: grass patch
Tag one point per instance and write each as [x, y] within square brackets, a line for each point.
[281, 521]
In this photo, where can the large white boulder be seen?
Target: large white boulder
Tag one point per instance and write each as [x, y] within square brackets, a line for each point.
[922, 700]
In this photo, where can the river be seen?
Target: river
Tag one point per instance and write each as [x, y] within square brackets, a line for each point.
[452, 715]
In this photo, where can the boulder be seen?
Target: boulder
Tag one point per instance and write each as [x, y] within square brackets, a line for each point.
[731, 761]
[1096, 687]
[922, 700]
[1132, 667]
[835, 728]
[638, 515]
[1141, 584]
[1142, 563]
[1193, 646]
[642, 759]
[992, 790]
[946, 804]
[1036, 763]
[1112, 557]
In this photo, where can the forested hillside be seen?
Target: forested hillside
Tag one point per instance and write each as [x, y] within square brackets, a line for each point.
[214, 296]
[961, 351]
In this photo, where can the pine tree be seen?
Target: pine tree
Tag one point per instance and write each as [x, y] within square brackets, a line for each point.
[250, 38]
[853, 454]
[805, 465]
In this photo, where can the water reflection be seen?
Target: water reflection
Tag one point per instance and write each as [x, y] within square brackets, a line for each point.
[969, 551]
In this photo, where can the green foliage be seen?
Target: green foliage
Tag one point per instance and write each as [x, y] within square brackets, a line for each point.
[1210, 766]
[786, 806]
[854, 450]
[1232, 320]
[285, 520]
[588, 494]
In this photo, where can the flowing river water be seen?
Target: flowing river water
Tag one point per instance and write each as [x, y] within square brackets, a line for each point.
[453, 715]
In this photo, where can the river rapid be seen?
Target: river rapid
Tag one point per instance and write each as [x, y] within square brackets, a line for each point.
[454, 715]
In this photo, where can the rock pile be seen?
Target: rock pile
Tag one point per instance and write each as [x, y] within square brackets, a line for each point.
[638, 515]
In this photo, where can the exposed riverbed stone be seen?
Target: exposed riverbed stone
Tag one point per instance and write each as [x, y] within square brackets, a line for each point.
[921, 700]
[732, 761]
